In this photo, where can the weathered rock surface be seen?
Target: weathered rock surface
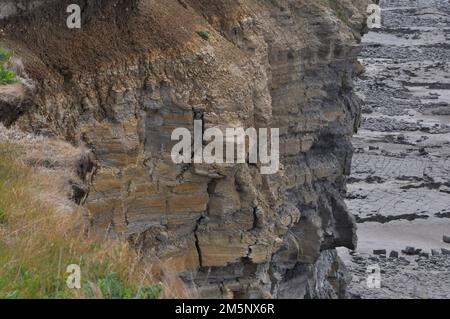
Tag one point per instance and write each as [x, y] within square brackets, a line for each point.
[131, 75]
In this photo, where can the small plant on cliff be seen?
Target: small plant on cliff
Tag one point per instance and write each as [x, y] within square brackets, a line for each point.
[203, 34]
[6, 76]
[5, 56]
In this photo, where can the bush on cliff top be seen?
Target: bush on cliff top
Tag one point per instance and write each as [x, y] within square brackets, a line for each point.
[38, 242]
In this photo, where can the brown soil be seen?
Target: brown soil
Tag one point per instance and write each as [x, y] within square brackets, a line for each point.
[111, 30]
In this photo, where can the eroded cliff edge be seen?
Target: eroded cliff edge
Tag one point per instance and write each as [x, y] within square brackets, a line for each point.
[138, 69]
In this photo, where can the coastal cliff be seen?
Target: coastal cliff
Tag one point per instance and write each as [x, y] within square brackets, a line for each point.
[136, 70]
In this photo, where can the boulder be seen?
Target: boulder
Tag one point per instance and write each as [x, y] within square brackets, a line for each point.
[435, 252]
[409, 251]
[379, 252]
[446, 239]
[394, 254]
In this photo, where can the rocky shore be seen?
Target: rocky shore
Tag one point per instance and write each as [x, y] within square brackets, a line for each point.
[399, 190]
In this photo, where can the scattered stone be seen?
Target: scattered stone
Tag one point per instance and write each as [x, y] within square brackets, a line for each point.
[423, 151]
[445, 252]
[367, 110]
[404, 261]
[394, 254]
[409, 251]
[446, 239]
[434, 252]
[358, 259]
[379, 252]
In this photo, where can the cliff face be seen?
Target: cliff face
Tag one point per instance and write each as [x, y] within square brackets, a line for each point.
[137, 70]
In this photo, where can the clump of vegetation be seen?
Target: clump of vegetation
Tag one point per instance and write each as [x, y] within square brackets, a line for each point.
[6, 76]
[203, 34]
[5, 55]
[38, 241]
[112, 287]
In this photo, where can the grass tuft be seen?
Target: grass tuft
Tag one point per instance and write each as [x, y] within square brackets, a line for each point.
[5, 55]
[203, 34]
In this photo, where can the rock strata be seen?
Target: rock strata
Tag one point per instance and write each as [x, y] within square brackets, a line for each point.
[122, 83]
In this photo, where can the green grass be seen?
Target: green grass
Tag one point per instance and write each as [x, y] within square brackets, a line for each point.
[6, 76]
[112, 287]
[203, 34]
[5, 55]
[38, 242]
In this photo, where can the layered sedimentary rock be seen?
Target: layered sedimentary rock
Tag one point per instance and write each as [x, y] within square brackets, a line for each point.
[136, 70]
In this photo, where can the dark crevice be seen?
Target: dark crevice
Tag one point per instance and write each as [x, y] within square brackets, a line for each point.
[255, 218]
[197, 241]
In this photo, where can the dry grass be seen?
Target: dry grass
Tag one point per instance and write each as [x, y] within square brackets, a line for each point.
[40, 237]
